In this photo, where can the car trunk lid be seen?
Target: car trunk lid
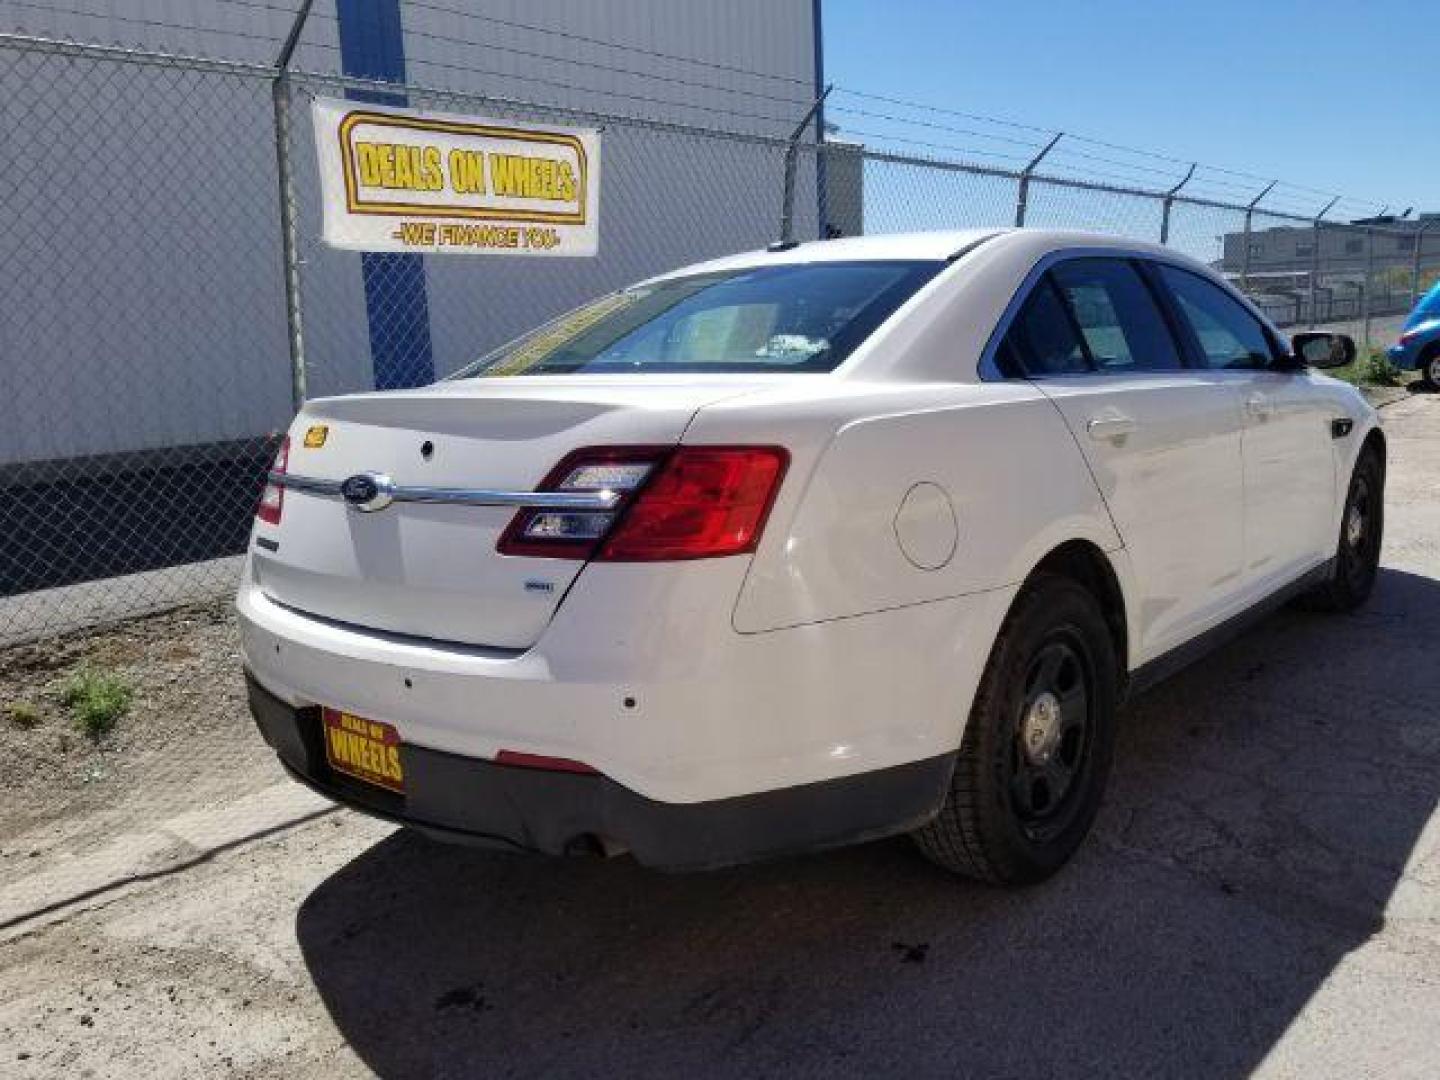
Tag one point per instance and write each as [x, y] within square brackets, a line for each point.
[432, 569]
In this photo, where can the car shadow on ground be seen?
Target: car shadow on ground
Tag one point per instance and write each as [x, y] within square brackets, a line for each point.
[1263, 808]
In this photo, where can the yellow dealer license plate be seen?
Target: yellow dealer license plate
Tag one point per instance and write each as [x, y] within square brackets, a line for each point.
[365, 749]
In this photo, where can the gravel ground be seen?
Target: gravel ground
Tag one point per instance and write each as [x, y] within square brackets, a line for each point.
[1262, 894]
[59, 786]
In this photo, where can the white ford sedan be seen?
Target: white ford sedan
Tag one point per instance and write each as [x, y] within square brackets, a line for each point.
[800, 548]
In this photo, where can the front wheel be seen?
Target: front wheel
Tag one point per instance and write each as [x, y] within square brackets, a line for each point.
[1362, 527]
[1036, 753]
[1430, 370]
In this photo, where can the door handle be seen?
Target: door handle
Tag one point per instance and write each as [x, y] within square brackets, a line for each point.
[1258, 406]
[1112, 426]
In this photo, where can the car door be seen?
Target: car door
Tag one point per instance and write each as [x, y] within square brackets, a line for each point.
[1161, 440]
[1289, 460]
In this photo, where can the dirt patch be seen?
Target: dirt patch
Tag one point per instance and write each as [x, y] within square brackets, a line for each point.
[184, 713]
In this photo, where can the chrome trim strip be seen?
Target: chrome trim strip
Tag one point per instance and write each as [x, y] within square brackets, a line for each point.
[306, 484]
[532, 500]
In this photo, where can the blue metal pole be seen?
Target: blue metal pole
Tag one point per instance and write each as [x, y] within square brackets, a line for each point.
[372, 46]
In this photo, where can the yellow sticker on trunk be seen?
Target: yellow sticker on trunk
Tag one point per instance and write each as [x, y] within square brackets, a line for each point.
[315, 436]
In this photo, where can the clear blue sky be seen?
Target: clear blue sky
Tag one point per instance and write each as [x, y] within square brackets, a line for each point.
[1336, 96]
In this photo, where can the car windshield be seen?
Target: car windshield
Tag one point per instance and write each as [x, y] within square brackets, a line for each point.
[790, 318]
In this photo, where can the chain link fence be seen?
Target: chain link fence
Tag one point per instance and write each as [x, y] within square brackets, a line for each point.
[142, 323]
[155, 349]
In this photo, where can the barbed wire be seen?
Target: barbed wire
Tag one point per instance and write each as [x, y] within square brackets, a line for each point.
[158, 24]
[605, 92]
[882, 138]
[429, 5]
[801, 103]
[1209, 178]
[1181, 163]
[845, 110]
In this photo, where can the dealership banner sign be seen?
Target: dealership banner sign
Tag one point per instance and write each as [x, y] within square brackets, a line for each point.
[413, 180]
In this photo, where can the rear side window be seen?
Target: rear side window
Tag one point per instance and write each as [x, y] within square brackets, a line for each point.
[1117, 316]
[1228, 336]
[1089, 315]
[1043, 339]
[791, 317]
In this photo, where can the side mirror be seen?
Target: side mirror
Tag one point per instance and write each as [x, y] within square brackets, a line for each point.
[1319, 349]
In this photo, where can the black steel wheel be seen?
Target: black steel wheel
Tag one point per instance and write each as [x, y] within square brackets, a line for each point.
[1362, 529]
[1051, 742]
[1035, 756]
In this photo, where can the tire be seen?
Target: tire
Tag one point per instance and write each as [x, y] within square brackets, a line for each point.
[1362, 528]
[1430, 369]
[1003, 821]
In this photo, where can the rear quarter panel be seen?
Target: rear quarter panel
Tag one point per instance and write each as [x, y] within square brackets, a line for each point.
[1015, 482]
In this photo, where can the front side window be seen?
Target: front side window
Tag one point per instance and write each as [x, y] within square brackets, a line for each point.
[1088, 315]
[786, 318]
[1227, 334]
[1123, 329]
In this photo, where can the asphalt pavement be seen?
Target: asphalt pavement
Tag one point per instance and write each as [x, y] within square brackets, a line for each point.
[1261, 896]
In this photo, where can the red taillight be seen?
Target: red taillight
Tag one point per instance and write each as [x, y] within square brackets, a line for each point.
[574, 534]
[706, 501]
[693, 502]
[272, 499]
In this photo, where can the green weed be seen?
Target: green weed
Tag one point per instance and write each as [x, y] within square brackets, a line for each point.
[96, 700]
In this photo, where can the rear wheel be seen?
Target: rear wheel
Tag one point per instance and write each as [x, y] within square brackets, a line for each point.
[1362, 527]
[1036, 753]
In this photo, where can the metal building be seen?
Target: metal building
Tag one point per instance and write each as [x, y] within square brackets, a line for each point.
[142, 317]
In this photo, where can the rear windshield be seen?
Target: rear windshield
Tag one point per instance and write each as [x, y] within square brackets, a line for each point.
[768, 319]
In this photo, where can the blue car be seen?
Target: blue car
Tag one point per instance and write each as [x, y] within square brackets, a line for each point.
[1419, 346]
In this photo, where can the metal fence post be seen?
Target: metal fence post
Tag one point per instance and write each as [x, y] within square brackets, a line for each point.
[1022, 196]
[1421, 228]
[1170, 202]
[1245, 256]
[1315, 257]
[289, 236]
[792, 150]
[1365, 290]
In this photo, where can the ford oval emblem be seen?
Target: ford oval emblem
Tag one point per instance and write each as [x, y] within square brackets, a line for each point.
[368, 492]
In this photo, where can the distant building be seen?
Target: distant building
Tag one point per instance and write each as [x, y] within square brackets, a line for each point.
[1303, 273]
[1292, 249]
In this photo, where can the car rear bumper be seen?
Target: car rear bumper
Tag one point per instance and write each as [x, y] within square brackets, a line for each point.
[642, 677]
[472, 800]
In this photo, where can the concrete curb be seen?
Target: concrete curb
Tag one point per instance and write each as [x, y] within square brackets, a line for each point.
[129, 861]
